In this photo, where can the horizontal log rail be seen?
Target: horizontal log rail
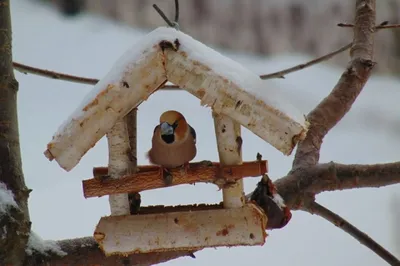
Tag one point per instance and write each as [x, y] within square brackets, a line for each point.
[151, 177]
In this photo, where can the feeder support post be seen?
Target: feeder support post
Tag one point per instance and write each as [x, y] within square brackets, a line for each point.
[119, 164]
[229, 143]
[131, 123]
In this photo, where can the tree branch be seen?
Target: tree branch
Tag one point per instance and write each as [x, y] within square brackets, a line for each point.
[53, 75]
[333, 176]
[25, 69]
[14, 221]
[315, 208]
[335, 106]
[282, 73]
[383, 25]
[85, 251]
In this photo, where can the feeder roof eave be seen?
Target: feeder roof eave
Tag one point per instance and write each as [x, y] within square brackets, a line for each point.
[146, 66]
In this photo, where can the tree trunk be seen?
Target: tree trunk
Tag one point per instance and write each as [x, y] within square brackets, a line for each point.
[14, 223]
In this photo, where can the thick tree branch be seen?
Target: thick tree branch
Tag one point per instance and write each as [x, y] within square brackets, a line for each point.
[334, 176]
[85, 251]
[333, 108]
[15, 222]
[315, 208]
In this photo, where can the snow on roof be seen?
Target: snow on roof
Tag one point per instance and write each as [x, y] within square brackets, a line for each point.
[143, 67]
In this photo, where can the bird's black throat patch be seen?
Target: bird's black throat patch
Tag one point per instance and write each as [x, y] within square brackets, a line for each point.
[168, 138]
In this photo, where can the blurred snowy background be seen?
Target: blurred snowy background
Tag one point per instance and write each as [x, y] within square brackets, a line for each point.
[88, 45]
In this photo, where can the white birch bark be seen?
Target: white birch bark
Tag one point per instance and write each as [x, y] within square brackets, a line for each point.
[229, 143]
[112, 98]
[119, 164]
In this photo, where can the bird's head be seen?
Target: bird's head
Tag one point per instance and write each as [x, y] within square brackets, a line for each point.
[173, 126]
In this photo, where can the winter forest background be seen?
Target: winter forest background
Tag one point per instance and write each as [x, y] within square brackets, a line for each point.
[89, 43]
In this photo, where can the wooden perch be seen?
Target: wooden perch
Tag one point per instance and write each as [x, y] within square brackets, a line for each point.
[151, 177]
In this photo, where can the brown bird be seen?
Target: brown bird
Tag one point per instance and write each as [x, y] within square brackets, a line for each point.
[173, 142]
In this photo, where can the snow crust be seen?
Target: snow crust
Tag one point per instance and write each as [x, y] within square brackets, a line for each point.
[44, 247]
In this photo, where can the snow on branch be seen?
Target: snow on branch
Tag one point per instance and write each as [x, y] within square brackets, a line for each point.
[85, 251]
[6, 199]
[36, 245]
[167, 54]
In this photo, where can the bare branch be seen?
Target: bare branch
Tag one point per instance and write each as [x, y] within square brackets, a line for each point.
[282, 73]
[176, 11]
[334, 107]
[315, 208]
[85, 251]
[51, 74]
[161, 13]
[333, 176]
[383, 25]
[92, 81]
[25, 69]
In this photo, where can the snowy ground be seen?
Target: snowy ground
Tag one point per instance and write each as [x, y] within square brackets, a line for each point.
[89, 45]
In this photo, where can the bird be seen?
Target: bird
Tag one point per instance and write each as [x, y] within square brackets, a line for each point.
[173, 142]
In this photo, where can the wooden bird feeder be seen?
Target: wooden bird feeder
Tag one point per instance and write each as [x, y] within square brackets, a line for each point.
[237, 97]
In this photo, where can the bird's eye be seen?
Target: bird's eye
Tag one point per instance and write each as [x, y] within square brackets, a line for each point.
[175, 125]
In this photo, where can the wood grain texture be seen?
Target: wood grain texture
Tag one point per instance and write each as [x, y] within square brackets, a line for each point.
[151, 177]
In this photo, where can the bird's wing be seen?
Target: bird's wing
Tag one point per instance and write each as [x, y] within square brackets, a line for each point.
[154, 131]
[193, 133]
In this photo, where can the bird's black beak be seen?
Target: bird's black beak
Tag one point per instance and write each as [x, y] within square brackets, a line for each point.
[167, 133]
[166, 129]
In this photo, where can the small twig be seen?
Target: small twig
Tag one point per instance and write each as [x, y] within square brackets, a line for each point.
[282, 73]
[383, 25]
[66, 77]
[176, 11]
[363, 238]
[51, 74]
[345, 25]
[161, 13]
